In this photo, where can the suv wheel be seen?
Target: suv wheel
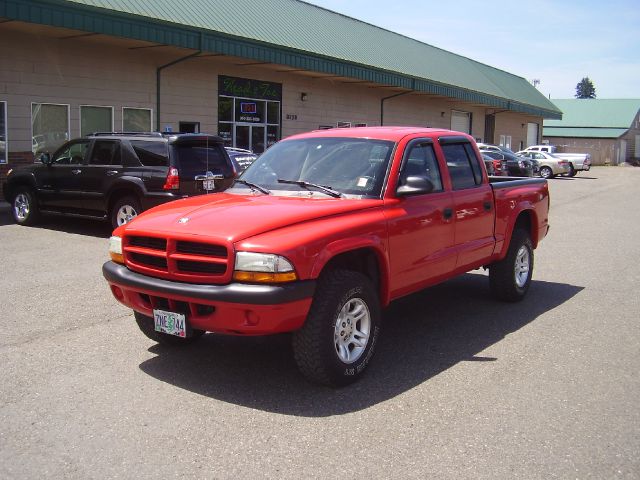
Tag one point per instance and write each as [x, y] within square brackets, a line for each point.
[24, 207]
[124, 210]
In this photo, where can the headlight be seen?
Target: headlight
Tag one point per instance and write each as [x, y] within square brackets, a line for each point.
[115, 249]
[263, 268]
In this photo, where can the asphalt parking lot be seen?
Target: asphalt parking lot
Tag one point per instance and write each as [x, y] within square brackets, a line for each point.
[461, 386]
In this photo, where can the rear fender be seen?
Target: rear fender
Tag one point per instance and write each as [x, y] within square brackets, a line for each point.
[526, 218]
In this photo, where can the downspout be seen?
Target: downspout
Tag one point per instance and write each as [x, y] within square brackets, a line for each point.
[158, 70]
[387, 98]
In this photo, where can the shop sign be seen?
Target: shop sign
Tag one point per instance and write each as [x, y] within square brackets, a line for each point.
[248, 88]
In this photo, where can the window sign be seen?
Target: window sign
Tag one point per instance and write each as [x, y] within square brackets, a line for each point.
[249, 112]
[49, 127]
[136, 119]
[3, 132]
[95, 119]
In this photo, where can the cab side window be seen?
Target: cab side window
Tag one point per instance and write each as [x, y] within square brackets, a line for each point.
[462, 165]
[73, 153]
[105, 152]
[421, 161]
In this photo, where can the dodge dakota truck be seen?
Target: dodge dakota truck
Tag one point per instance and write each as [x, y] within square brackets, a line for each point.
[319, 235]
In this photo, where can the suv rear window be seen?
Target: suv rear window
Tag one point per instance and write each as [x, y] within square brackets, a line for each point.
[194, 159]
[151, 154]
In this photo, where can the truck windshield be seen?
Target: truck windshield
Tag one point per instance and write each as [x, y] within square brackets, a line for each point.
[351, 166]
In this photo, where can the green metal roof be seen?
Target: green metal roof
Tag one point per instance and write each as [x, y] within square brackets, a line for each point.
[294, 33]
[568, 132]
[595, 113]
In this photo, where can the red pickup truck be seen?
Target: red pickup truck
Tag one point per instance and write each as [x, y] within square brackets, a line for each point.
[323, 231]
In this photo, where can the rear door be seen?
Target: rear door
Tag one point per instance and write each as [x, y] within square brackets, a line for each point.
[473, 203]
[421, 227]
[203, 165]
[103, 166]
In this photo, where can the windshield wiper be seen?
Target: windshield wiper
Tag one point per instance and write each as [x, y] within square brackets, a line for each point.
[253, 186]
[307, 185]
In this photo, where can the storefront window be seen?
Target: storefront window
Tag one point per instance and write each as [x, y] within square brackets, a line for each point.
[95, 119]
[249, 112]
[49, 126]
[136, 119]
[3, 132]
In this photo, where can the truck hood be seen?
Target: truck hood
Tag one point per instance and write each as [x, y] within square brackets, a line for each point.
[231, 217]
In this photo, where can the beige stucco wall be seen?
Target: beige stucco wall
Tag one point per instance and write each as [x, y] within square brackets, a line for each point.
[107, 72]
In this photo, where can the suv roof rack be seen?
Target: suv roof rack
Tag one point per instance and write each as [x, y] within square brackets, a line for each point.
[131, 134]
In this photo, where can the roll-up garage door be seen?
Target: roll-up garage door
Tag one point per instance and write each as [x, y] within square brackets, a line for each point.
[461, 121]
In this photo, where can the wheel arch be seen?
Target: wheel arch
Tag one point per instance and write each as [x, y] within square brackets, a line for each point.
[366, 259]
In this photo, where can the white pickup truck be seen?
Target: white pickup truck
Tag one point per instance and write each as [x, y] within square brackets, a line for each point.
[577, 161]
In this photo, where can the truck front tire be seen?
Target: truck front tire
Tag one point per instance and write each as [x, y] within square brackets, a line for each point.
[510, 278]
[340, 333]
[146, 326]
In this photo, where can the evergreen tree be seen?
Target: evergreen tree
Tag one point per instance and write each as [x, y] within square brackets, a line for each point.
[585, 89]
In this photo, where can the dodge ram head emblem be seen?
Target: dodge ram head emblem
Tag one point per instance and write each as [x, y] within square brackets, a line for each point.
[183, 220]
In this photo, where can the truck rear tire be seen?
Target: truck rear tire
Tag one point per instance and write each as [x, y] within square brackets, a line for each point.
[146, 326]
[24, 207]
[340, 334]
[510, 278]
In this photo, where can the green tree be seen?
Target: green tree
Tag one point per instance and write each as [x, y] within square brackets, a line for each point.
[585, 89]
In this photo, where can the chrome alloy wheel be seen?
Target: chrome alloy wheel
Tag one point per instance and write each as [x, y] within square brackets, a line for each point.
[522, 266]
[21, 206]
[352, 330]
[125, 214]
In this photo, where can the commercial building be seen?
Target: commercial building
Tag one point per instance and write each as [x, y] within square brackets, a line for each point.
[252, 72]
[608, 129]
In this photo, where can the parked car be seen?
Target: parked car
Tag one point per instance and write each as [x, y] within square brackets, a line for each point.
[494, 166]
[242, 157]
[578, 162]
[115, 176]
[320, 234]
[550, 165]
[515, 166]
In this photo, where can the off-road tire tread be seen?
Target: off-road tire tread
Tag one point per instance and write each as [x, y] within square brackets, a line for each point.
[307, 342]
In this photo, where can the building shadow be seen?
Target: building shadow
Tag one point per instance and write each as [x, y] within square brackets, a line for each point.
[423, 335]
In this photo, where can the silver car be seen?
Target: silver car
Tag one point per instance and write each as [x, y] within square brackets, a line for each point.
[549, 165]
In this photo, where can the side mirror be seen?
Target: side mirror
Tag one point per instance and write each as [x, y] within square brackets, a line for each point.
[415, 185]
[45, 158]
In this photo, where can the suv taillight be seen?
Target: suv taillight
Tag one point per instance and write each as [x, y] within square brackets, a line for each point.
[173, 180]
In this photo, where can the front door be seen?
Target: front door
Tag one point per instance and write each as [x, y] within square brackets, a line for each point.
[60, 181]
[421, 227]
[250, 137]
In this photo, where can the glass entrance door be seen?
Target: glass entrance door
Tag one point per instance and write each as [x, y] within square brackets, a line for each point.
[251, 137]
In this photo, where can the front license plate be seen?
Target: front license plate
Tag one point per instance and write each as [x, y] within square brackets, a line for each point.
[208, 185]
[171, 323]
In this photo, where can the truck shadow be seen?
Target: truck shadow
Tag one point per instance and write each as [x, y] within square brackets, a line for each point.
[423, 335]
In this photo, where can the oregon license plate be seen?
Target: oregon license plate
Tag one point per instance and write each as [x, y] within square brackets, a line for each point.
[171, 323]
[209, 185]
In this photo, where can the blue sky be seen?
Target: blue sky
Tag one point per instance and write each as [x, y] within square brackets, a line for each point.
[556, 42]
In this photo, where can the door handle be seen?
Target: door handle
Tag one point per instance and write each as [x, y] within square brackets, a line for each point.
[112, 172]
[76, 172]
[447, 213]
[487, 206]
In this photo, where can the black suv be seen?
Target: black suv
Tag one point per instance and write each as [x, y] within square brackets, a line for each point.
[115, 176]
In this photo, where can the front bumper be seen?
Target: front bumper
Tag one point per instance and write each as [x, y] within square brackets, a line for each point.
[239, 309]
